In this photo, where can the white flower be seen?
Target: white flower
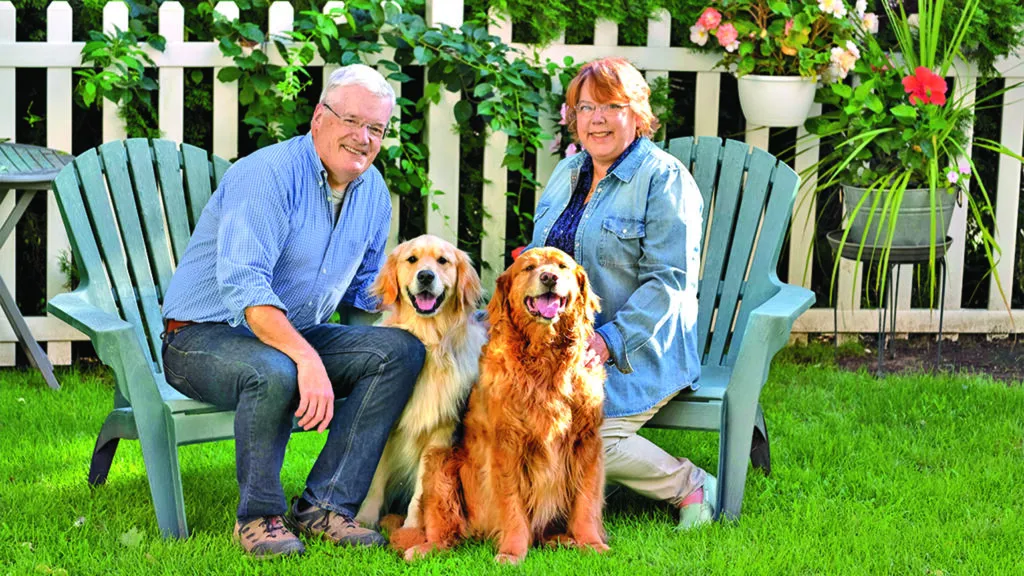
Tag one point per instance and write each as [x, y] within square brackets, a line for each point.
[869, 22]
[952, 176]
[842, 60]
[698, 35]
[732, 46]
[833, 7]
[913, 20]
[861, 7]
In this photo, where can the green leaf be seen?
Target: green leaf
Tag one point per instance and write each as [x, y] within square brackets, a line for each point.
[874, 103]
[422, 55]
[229, 74]
[196, 75]
[482, 90]
[781, 8]
[131, 538]
[842, 90]
[463, 111]
[903, 111]
[746, 48]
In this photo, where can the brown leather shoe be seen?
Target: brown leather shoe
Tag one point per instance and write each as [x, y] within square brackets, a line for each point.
[313, 520]
[267, 537]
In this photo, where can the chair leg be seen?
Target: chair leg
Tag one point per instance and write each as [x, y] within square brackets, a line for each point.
[120, 423]
[734, 453]
[760, 453]
[160, 453]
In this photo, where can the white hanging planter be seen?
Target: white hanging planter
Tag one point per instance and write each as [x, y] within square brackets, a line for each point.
[776, 101]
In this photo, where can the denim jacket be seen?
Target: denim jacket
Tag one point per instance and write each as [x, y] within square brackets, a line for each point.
[639, 241]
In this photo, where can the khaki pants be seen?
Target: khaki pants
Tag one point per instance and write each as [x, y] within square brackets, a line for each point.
[640, 465]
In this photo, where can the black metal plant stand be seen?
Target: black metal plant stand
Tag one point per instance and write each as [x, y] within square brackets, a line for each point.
[897, 255]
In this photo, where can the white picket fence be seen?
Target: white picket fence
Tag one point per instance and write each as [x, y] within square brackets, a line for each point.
[59, 54]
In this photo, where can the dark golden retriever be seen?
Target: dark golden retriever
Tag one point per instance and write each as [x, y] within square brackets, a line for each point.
[530, 466]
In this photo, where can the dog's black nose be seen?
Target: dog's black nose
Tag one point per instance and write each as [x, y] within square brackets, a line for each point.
[548, 279]
[424, 276]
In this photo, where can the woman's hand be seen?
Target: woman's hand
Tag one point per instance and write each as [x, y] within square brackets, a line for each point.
[597, 351]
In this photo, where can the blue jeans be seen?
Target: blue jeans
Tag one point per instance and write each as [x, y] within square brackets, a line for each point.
[372, 370]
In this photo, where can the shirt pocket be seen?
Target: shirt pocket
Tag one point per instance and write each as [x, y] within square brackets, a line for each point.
[621, 239]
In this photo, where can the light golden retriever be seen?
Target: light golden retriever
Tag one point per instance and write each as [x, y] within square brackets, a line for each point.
[530, 467]
[431, 290]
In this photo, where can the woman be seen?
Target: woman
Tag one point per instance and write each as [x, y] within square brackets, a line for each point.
[630, 214]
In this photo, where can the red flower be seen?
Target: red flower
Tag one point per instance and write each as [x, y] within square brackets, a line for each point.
[925, 87]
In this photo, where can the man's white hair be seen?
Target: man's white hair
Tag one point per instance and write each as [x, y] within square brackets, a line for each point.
[359, 75]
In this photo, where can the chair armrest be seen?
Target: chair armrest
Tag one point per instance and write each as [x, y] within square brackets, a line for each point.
[767, 331]
[74, 309]
[116, 343]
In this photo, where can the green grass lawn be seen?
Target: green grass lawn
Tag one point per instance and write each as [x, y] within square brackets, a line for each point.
[905, 475]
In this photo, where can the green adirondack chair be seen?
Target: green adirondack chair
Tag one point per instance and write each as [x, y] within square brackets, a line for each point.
[123, 251]
[749, 196]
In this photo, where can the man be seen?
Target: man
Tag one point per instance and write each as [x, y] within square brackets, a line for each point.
[292, 231]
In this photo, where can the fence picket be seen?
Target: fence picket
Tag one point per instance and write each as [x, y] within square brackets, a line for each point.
[225, 101]
[8, 122]
[1008, 194]
[172, 78]
[443, 143]
[59, 19]
[115, 17]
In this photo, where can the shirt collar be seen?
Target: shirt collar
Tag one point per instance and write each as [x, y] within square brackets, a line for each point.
[626, 164]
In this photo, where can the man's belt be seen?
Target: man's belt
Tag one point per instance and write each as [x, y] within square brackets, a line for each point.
[172, 325]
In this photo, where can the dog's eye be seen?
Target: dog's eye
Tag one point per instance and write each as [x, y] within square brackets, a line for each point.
[411, 259]
[562, 266]
[530, 267]
[442, 260]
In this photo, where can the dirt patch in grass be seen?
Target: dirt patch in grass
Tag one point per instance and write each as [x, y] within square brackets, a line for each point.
[970, 354]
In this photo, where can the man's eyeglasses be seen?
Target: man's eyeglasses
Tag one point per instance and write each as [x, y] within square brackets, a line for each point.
[588, 109]
[377, 131]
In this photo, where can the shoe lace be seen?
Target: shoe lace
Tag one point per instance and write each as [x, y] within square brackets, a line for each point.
[273, 526]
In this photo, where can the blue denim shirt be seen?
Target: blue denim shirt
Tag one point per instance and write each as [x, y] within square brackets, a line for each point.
[639, 241]
[267, 236]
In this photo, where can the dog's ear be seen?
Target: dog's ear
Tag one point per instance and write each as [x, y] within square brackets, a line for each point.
[385, 286]
[468, 282]
[589, 301]
[497, 308]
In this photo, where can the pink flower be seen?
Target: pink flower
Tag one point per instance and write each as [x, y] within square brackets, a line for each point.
[789, 26]
[964, 166]
[698, 35]
[710, 19]
[556, 143]
[727, 35]
[572, 150]
[563, 112]
[952, 177]
[925, 87]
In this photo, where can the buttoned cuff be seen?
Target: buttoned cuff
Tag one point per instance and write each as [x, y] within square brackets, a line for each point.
[616, 347]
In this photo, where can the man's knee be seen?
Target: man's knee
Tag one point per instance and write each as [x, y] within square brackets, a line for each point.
[273, 376]
[407, 350]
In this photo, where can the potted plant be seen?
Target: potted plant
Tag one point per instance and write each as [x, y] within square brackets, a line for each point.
[778, 50]
[902, 138]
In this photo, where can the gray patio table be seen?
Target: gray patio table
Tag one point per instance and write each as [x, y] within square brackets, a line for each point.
[29, 169]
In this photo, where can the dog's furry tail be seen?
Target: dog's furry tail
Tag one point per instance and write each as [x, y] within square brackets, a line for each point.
[443, 511]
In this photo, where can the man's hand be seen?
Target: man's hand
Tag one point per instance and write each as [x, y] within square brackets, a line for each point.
[597, 351]
[316, 395]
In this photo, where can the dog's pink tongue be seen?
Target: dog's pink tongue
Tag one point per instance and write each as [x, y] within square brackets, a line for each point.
[425, 301]
[548, 305]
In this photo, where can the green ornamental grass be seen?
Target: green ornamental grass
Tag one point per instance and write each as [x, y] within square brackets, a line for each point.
[918, 475]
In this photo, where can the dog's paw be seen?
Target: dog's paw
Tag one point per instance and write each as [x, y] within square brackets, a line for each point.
[560, 541]
[392, 522]
[598, 546]
[418, 551]
[506, 558]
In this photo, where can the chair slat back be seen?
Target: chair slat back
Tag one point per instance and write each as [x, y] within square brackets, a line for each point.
[115, 200]
[748, 197]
